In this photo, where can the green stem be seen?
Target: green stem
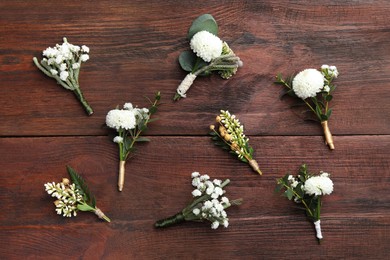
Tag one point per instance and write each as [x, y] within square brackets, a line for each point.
[303, 202]
[166, 222]
[80, 97]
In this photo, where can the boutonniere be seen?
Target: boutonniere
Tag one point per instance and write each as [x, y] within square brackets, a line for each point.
[229, 135]
[209, 53]
[208, 203]
[63, 63]
[315, 88]
[129, 123]
[73, 195]
[307, 190]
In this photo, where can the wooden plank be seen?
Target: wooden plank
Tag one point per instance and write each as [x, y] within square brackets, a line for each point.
[134, 50]
[354, 218]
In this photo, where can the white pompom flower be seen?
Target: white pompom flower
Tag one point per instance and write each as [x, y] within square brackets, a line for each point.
[206, 45]
[308, 83]
[318, 185]
[121, 119]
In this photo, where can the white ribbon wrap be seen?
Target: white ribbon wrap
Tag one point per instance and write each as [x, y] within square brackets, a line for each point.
[185, 84]
[317, 225]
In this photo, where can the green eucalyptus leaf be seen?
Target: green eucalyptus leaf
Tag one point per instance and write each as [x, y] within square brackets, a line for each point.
[153, 110]
[289, 194]
[279, 187]
[328, 98]
[142, 139]
[205, 22]
[187, 60]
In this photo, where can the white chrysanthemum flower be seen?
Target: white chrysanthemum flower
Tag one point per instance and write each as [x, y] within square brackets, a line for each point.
[325, 67]
[124, 119]
[59, 59]
[204, 177]
[225, 223]
[84, 57]
[85, 49]
[308, 83]
[64, 75]
[118, 139]
[196, 193]
[326, 88]
[318, 185]
[206, 45]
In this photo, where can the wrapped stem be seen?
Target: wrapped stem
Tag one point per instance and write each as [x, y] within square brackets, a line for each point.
[83, 101]
[317, 226]
[328, 135]
[255, 166]
[166, 222]
[101, 215]
[121, 178]
[184, 86]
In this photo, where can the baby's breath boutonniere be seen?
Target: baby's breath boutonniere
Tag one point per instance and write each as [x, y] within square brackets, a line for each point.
[73, 196]
[315, 88]
[307, 189]
[209, 53]
[230, 136]
[63, 63]
[129, 123]
[208, 203]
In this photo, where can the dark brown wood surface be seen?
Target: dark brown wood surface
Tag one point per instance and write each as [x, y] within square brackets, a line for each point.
[134, 50]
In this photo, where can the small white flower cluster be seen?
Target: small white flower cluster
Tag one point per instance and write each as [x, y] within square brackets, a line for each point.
[63, 59]
[126, 119]
[330, 71]
[308, 83]
[67, 197]
[235, 130]
[319, 185]
[212, 209]
[293, 182]
[206, 45]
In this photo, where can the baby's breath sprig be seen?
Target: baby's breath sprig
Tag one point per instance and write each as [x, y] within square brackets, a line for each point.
[72, 197]
[208, 203]
[63, 63]
[315, 88]
[307, 189]
[209, 53]
[129, 123]
[230, 136]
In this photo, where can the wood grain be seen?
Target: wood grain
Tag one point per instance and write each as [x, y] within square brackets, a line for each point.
[158, 185]
[134, 50]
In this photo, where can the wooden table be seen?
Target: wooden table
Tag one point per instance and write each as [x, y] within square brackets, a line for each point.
[134, 50]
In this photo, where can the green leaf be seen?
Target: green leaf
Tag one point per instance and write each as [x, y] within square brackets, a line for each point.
[329, 113]
[279, 187]
[84, 207]
[324, 117]
[81, 186]
[187, 60]
[205, 22]
[328, 98]
[289, 194]
[153, 110]
[142, 139]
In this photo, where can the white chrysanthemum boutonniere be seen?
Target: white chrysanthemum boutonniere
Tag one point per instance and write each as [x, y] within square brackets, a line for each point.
[209, 203]
[307, 189]
[63, 63]
[229, 135]
[73, 196]
[129, 123]
[209, 53]
[315, 88]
